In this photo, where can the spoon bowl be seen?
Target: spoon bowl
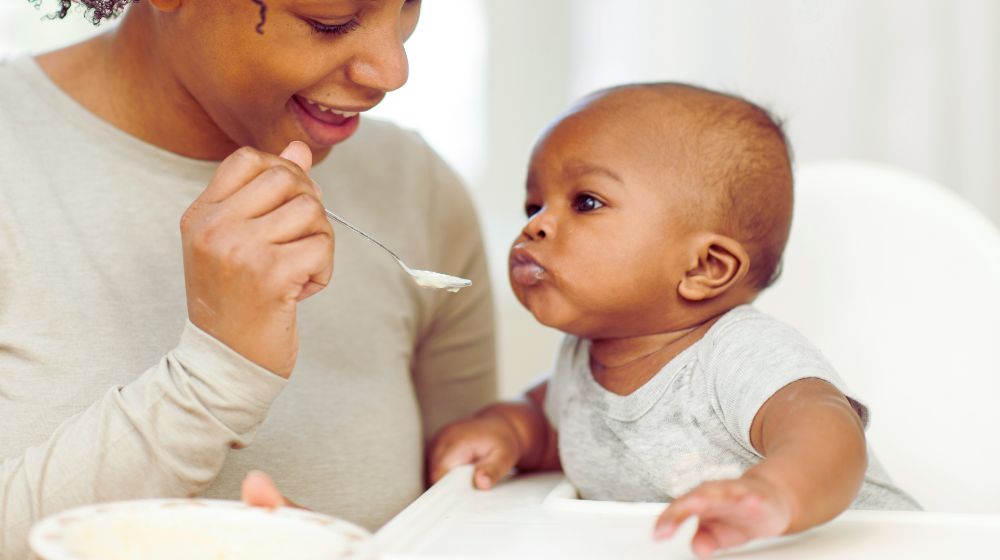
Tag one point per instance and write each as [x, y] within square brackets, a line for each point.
[425, 278]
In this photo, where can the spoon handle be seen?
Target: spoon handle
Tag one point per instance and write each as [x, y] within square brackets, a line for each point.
[337, 218]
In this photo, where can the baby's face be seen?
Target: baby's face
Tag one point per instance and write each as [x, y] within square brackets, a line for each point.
[606, 243]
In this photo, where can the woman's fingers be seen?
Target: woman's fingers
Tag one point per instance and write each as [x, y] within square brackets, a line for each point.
[259, 490]
[252, 183]
[299, 217]
[271, 189]
[299, 154]
[245, 269]
[241, 167]
[310, 256]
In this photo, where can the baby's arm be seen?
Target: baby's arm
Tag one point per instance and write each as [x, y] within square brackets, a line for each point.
[815, 460]
[495, 440]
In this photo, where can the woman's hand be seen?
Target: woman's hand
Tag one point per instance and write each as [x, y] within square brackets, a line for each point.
[259, 490]
[256, 242]
[487, 441]
[731, 512]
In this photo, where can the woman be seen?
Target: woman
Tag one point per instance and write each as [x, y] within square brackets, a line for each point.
[137, 360]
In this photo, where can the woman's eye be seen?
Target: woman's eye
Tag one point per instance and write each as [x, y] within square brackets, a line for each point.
[333, 29]
[531, 209]
[586, 203]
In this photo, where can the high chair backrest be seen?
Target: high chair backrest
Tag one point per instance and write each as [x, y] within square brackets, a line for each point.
[897, 281]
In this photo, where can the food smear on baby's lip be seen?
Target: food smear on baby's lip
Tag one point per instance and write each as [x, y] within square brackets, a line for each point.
[431, 279]
[526, 271]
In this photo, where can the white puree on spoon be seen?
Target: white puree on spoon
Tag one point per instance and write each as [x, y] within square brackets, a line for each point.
[431, 279]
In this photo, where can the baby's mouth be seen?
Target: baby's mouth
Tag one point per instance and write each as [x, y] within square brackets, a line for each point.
[525, 270]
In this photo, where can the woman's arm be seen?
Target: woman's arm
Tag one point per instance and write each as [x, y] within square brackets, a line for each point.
[165, 434]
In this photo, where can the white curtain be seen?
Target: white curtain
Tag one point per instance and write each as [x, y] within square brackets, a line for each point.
[911, 83]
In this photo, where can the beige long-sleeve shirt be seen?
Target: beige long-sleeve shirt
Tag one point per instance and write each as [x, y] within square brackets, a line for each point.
[107, 392]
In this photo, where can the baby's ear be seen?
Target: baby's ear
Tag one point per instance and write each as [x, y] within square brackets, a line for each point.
[718, 264]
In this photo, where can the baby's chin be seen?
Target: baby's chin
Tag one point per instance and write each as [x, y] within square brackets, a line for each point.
[557, 315]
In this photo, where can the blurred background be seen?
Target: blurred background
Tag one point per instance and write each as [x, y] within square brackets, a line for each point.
[910, 83]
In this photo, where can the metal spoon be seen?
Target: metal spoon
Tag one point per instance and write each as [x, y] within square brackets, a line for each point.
[425, 278]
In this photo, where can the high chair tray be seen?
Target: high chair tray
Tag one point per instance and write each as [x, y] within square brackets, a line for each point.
[538, 516]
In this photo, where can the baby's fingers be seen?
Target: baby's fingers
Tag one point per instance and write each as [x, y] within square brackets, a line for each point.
[446, 454]
[492, 467]
[675, 514]
[705, 542]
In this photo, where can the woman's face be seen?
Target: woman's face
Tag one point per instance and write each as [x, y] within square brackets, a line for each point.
[317, 64]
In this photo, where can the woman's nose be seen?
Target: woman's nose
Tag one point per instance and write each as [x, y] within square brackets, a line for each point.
[382, 65]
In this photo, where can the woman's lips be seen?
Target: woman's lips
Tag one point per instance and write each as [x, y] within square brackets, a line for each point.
[524, 269]
[324, 125]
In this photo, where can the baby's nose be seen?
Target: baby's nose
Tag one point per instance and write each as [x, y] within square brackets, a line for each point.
[538, 227]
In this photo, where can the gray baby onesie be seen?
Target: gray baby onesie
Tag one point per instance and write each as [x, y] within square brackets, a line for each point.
[690, 423]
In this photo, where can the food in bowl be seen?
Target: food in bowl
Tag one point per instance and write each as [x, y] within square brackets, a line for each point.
[196, 530]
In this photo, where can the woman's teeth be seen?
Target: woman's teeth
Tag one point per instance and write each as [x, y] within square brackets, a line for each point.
[325, 109]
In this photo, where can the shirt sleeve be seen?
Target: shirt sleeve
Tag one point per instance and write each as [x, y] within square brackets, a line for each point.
[165, 434]
[752, 357]
[454, 367]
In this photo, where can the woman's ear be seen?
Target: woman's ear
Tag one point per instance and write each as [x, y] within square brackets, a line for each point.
[719, 263]
[166, 5]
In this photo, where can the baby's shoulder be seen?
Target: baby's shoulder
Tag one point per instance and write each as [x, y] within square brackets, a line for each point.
[745, 324]
[746, 335]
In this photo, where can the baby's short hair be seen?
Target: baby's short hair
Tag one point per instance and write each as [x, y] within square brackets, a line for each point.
[739, 159]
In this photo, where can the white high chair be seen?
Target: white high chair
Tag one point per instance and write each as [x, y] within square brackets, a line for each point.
[897, 281]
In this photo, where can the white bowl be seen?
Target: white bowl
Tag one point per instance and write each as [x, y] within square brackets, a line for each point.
[196, 530]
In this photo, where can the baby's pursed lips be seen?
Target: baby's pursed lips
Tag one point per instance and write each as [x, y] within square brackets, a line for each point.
[524, 269]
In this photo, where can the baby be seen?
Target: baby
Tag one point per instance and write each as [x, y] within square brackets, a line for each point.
[656, 214]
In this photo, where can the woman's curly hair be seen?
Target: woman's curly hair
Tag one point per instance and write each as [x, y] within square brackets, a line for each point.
[99, 10]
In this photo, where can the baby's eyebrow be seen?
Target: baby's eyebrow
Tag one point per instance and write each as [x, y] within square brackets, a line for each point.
[577, 168]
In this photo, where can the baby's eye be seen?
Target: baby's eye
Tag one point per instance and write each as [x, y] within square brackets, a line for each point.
[531, 209]
[586, 203]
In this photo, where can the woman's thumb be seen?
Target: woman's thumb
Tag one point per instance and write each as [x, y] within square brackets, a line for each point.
[259, 490]
[298, 153]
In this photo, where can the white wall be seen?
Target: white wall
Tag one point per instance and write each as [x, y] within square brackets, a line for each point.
[911, 83]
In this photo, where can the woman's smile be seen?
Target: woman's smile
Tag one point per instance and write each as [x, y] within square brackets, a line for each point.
[325, 125]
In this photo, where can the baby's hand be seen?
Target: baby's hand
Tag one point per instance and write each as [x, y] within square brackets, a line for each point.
[731, 512]
[488, 441]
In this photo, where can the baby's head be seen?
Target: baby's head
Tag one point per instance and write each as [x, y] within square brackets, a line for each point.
[652, 207]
